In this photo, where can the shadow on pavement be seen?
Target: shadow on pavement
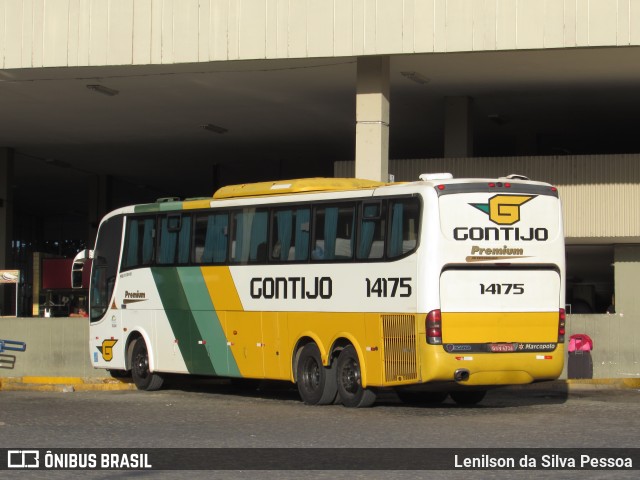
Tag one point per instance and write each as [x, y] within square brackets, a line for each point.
[548, 393]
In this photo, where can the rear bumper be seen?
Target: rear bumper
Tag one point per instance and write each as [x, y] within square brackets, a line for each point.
[492, 368]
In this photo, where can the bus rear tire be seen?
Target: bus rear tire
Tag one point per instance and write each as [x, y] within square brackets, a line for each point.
[468, 398]
[142, 377]
[316, 383]
[350, 381]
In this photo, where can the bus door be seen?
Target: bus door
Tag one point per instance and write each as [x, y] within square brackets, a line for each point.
[109, 342]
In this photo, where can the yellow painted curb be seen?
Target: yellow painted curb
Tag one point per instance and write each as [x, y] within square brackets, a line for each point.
[631, 382]
[103, 387]
[64, 384]
[604, 383]
[53, 380]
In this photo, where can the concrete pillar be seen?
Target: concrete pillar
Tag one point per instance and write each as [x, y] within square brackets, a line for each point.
[458, 127]
[624, 349]
[99, 205]
[6, 218]
[372, 118]
[626, 272]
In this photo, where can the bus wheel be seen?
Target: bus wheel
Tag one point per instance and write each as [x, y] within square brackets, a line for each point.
[468, 398]
[142, 377]
[350, 381]
[316, 383]
[413, 397]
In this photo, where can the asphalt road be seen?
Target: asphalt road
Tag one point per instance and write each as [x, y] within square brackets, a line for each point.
[213, 415]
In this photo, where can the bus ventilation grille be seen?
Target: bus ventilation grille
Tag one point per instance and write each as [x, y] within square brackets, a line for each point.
[399, 335]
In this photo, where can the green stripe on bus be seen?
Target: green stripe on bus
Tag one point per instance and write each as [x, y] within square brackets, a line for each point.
[207, 321]
[158, 207]
[182, 321]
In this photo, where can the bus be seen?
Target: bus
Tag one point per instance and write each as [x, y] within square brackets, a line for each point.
[434, 288]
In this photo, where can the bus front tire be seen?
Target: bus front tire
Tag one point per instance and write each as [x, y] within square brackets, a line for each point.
[350, 381]
[142, 377]
[316, 383]
[468, 398]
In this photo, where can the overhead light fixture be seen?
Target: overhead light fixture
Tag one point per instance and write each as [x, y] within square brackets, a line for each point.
[214, 128]
[54, 162]
[103, 90]
[416, 77]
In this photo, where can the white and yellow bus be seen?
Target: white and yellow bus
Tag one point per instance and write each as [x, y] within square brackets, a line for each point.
[437, 287]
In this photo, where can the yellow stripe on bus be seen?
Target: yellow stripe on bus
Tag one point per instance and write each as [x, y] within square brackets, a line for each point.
[222, 290]
[196, 204]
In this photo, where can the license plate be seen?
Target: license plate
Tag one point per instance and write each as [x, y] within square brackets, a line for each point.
[501, 347]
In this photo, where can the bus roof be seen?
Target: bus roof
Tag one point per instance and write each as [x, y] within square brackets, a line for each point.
[315, 185]
[294, 186]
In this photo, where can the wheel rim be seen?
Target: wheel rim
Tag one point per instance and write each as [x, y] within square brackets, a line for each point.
[141, 364]
[350, 377]
[311, 376]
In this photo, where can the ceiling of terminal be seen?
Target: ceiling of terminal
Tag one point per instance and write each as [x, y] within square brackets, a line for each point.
[293, 118]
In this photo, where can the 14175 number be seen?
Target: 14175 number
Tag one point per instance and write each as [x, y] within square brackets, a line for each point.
[389, 287]
[502, 288]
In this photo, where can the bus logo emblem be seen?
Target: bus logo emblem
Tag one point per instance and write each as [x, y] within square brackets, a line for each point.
[503, 209]
[106, 349]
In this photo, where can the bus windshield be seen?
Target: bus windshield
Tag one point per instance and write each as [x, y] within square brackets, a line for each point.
[105, 266]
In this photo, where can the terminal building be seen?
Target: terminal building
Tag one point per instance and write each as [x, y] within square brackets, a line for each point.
[105, 103]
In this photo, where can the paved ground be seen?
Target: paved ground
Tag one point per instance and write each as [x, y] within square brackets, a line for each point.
[211, 414]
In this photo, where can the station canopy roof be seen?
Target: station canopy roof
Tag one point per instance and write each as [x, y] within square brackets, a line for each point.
[273, 119]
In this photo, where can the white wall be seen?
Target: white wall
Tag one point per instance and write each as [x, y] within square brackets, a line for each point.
[58, 33]
[600, 193]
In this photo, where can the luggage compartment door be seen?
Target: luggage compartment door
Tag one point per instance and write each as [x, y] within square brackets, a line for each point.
[499, 305]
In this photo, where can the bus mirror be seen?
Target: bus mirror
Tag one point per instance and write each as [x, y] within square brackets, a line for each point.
[77, 268]
[76, 278]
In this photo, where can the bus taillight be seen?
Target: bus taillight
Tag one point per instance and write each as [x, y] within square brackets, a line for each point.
[562, 320]
[434, 328]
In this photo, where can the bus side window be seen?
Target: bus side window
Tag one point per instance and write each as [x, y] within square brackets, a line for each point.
[211, 238]
[333, 237]
[372, 231]
[175, 238]
[140, 242]
[404, 218]
[290, 235]
[249, 236]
